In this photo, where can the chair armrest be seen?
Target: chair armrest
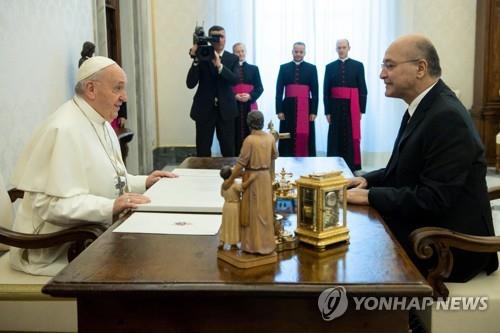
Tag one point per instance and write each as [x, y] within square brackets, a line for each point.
[431, 241]
[82, 236]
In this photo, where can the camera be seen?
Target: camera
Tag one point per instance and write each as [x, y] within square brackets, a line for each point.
[205, 51]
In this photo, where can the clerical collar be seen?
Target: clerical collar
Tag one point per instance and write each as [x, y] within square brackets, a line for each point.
[344, 60]
[414, 104]
[89, 111]
[298, 62]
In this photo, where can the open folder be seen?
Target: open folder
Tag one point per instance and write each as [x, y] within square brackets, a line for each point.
[194, 191]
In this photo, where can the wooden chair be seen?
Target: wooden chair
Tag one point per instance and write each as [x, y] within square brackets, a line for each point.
[433, 241]
[497, 140]
[80, 236]
[21, 293]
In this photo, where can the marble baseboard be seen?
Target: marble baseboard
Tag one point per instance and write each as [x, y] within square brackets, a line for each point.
[171, 155]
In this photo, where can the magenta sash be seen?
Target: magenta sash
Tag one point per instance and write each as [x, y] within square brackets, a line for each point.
[115, 124]
[241, 88]
[353, 95]
[301, 93]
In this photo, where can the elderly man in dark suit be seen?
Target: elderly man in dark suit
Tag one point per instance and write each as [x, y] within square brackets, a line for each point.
[214, 106]
[436, 174]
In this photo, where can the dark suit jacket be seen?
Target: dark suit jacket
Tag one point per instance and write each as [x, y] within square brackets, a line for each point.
[436, 177]
[212, 85]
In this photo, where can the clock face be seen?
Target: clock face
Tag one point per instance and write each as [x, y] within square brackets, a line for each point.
[331, 209]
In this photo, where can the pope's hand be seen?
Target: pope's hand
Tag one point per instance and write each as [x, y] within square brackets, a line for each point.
[157, 175]
[128, 201]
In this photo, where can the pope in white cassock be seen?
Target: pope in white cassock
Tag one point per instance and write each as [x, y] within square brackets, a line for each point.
[72, 170]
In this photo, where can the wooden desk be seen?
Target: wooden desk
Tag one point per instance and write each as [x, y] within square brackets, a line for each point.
[164, 283]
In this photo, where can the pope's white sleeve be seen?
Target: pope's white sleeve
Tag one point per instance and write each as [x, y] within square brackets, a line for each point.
[137, 183]
[73, 210]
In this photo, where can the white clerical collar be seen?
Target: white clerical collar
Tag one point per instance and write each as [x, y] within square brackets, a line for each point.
[298, 62]
[89, 111]
[414, 104]
[343, 60]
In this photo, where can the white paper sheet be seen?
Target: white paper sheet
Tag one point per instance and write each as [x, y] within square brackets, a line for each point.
[198, 172]
[173, 224]
[194, 191]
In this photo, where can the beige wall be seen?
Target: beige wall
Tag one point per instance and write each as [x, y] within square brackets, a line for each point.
[174, 23]
[449, 23]
[40, 43]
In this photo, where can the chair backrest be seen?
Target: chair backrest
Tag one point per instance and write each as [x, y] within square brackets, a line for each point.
[6, 211]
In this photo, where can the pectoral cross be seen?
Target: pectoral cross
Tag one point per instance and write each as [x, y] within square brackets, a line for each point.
[120, 184]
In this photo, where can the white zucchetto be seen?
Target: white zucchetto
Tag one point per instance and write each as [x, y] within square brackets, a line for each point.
[92, 66]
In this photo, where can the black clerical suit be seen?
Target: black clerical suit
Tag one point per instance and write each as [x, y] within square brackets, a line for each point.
[304, 74]
[214, 106]
[343, 74]
[436, 177]
[248, 74]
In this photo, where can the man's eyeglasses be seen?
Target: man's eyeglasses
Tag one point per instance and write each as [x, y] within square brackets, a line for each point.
[391, 65]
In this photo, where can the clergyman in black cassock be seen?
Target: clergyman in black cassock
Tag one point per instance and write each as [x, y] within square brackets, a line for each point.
[247, 91]
[297, 104]
[344, 96]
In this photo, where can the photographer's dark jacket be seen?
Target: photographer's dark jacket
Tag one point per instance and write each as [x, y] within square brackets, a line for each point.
[213, 87]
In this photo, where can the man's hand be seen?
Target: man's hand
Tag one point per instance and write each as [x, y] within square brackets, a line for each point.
[216, 61]
[242, 97]
[192, 51]
[357, 182]
[281, 116]
[329, 118]
[245, 97]
[312, 117]
[157, 175]
[128, 201]
[357, 196]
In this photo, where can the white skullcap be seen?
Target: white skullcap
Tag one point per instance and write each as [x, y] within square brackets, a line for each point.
[92, 66]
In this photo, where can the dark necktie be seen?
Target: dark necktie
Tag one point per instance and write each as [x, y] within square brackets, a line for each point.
[404, 123]
[395, 150]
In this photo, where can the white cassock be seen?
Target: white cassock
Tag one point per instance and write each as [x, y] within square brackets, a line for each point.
[69, 174]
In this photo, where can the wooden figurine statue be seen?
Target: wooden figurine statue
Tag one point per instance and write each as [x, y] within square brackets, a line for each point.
[230, 229]
[257, 216]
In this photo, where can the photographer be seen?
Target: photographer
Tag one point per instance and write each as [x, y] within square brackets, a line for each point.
[214, 105]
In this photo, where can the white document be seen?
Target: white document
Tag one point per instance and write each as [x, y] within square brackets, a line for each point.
[198, 173]
[194, 191]
[173, 224]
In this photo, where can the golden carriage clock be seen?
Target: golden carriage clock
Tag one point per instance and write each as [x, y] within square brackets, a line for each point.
[322, 209]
